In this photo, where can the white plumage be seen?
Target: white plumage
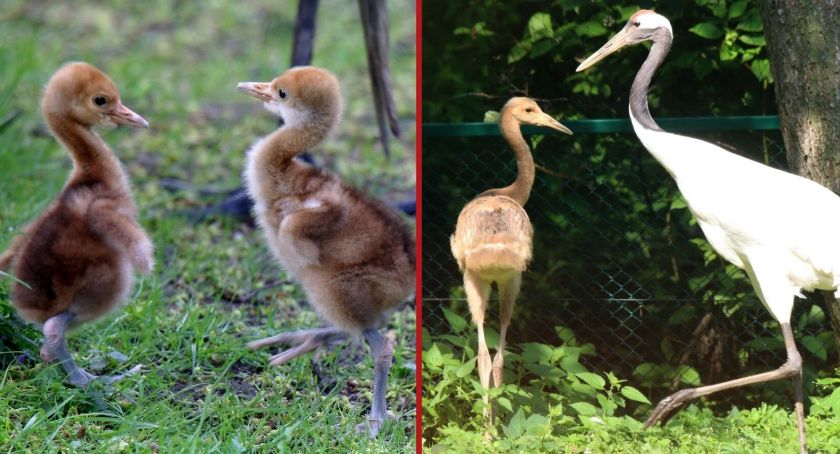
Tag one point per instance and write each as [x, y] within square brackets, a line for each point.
[778, 227]
[774, 225]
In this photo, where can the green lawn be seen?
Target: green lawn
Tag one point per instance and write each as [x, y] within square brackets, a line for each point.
[215, 286]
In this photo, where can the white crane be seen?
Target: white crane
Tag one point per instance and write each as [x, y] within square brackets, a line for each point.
[754, 216]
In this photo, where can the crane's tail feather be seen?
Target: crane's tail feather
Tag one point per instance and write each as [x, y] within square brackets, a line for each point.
[498, 256]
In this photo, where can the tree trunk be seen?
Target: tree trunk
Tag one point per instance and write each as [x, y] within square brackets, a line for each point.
[803, 41]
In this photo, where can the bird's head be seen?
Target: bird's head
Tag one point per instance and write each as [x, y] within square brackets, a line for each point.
[526, 111]
[81, 93]
[303, 94]
[644, 25]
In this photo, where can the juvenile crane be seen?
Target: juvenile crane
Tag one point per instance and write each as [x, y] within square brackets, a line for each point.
[353, 255]
[750, 214]
[76, 259]
[493, 238]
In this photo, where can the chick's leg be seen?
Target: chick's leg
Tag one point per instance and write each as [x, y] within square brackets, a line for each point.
[55, 349]
[382, 352]
[302, 342]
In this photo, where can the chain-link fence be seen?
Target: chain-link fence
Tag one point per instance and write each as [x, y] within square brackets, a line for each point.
[618, 259]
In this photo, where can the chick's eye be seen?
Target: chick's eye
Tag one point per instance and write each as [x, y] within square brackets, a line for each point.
[100, 100]
[529, 110]
[637, 23]
[281, 93]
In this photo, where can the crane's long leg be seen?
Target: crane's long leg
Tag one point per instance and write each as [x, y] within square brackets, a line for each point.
[304, 32]
[374, 15]
[303, 341]
[478, 290]
[508, 292]
[668, 406]
[55, 349]
[382, 352]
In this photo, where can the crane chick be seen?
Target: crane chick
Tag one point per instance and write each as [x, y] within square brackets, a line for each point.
[74, 263]
[493, 239]
[353, 255]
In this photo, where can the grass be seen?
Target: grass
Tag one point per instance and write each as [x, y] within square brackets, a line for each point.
[215, 286]
[550, 402]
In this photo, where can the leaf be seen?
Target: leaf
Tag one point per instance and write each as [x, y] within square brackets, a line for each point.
[534, 352]
[456, 322]
[590, 29]
[5, 274]
[479, 29]
[761, 69]
[634, 394]
[707, 30]
[535, 421]
[466, 368]
[584, 389]
[565, 334]
[505, 403]
[544, 371]
[591, 379]
[519, 51]
[753, 40]
[728, 52]
[584, 408]
[688, 375]
[491, 116]
[540, 26]
[432, 356]
[751, 22]
[737, 9]
[815, 346]
[516, 425]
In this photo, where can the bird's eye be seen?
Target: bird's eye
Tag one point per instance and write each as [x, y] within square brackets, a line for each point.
[281, 93]
[637, 23]
[100, 100]
[529, 110]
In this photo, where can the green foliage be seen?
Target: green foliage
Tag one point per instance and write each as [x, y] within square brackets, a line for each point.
[546, 390]
[555, 405]
[740, 25]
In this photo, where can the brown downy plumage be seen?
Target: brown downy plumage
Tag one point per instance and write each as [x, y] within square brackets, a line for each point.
[353, 255]
[77, 257]
[493, 238]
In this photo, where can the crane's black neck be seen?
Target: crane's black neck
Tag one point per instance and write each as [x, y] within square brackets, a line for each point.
[641, 84]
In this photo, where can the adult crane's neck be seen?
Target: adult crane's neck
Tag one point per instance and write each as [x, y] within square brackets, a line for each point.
[520, 189]
[641, 84]
[92, 159]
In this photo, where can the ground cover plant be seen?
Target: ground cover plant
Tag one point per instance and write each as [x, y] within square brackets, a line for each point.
[215, 286]
[550, 402]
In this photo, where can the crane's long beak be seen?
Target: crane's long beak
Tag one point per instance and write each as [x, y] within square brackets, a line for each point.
[124, 116]
[620, 40]
[259, 90]
[549, 122]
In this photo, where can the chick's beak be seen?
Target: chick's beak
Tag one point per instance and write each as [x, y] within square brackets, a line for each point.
[549, 122]
[259, 90]
[125, 116]
[620, 40]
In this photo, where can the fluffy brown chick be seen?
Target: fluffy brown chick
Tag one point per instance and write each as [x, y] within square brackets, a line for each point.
[77, 258]
[353, 255]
